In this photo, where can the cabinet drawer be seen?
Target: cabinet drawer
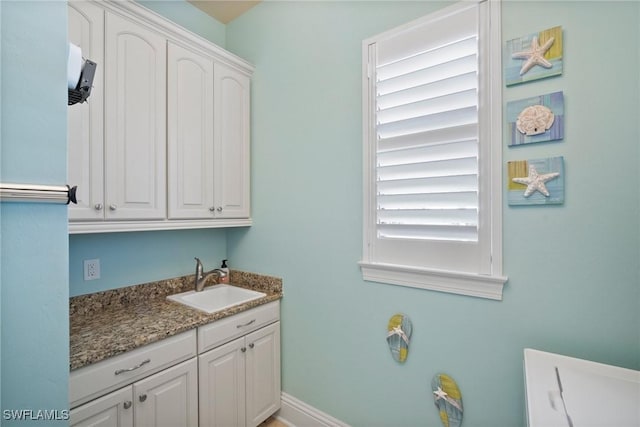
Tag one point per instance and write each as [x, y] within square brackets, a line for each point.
[225, 330]
[95, 380]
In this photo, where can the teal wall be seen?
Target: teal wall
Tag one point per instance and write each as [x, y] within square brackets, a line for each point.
[573, 270]
[574, 280]
[133, 258]
[34, 250]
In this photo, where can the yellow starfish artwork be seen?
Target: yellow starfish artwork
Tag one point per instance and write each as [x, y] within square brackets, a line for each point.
[534, 56]
[536, 181]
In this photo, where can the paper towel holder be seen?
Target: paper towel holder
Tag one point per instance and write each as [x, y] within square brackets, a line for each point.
[83, 88]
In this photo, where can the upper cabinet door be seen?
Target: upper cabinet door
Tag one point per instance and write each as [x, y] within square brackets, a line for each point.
[232, 142]
[190, 133]
[85, 121]
[135, 120]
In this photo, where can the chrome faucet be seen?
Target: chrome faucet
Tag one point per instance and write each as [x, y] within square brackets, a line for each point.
[202, 278]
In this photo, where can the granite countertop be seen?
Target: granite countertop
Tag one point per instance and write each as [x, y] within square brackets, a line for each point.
[109, 323]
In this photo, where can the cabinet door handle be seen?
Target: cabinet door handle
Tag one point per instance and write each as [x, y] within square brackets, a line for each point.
[138, 366]
[243, 349]
[127, 404]
[219, 209]
[212, 208]
[245, 324]
[142, 397]
[113, 207]
[98, 206]
[251, 345]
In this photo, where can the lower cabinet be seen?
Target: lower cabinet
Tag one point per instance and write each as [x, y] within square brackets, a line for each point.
[168, 398]
[114, 409]
[239, 382]
[225, 374]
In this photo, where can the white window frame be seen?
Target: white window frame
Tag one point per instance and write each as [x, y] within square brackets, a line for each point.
[486, 280]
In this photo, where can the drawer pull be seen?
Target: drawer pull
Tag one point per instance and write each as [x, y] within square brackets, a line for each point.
[246, 324]
[138, 366]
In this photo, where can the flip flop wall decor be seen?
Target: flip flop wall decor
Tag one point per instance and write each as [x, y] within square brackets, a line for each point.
[398, 335]
[448, 400]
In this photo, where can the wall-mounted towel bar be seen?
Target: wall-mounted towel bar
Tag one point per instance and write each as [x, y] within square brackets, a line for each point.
[37, 193]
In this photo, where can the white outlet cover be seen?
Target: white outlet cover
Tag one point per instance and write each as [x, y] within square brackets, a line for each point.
[91, 269]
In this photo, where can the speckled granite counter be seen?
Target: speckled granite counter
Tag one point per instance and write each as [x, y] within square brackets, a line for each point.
[108, 323]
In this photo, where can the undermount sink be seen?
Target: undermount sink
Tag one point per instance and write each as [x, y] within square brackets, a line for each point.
[217, 297]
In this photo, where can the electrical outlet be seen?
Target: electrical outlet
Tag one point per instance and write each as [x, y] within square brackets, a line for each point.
[91, 269]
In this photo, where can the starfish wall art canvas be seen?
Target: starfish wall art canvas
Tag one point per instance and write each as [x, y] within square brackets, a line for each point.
[536, 181]
[534, 56]
[536, 119]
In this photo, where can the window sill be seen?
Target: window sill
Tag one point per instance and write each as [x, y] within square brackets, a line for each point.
[475, 285]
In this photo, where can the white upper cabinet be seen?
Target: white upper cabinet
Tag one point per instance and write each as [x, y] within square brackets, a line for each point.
[163, 140]
[135, 114]
[84, 121]
[190, 133]
[208, 138]
[232, 112]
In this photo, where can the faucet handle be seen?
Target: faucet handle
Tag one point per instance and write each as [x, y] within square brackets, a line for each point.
[198, 267]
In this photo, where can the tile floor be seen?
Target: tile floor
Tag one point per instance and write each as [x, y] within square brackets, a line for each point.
[272, 422]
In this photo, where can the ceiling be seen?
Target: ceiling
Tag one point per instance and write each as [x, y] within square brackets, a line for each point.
[224, 10]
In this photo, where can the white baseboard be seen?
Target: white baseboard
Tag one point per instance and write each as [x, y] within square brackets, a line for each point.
[296, 413]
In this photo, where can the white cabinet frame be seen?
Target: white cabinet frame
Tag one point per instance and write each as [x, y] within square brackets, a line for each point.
[128, 168]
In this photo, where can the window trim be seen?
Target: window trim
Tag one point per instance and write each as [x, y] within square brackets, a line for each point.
[488, 285]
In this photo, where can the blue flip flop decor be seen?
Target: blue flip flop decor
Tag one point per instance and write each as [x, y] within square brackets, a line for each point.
[399, 331]
[448, 400]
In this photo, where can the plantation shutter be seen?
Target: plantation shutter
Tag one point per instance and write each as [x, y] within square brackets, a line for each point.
[427, 131]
